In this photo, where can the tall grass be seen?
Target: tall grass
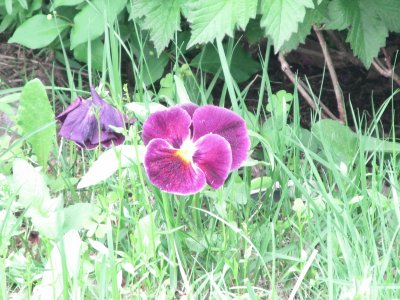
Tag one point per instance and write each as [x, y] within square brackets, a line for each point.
[330, 231]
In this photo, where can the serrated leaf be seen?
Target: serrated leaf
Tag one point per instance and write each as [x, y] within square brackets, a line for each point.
[38, 31]
[213, 19]
[242, 65]
[313, 16]
[36, 118]
[281, 18]
[162, 18]
[367, 33]
[388, 11]
[89, 23]
[109, 162]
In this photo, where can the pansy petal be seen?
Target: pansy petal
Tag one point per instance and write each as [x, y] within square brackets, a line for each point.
[172, 125]
[77, 102]
[79, 124]
[96, 97]
[214, 157]
[189, 107]
[226, 123]
[169, 172]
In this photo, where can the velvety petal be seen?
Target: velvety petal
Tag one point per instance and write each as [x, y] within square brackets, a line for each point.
[226, 123]
[172, 125]
[189, 107]
[107, 139]
[77, 102]
[214, 157]
[80, 124]
[97, 100]
[169, 172]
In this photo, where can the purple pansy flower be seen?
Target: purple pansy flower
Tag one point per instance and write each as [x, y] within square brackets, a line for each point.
[189, 146]
[87, 122]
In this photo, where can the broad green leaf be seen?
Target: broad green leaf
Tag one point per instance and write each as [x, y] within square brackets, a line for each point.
[142, 111]
[97, 47]
[213, 19]
[36, 118]
[92, 20]
[242, 65]
[29, 185]
[254, 32]
[281, 18]
[378, 145]
[260, 184]
[146, 236]
[9, 6]
[154, 68]
[38, 31]
[78, 216]
[151, 67]
[367, 33]
[8, 228]
[6, 22]
[336, 138]
[49, 218]
[181, 93]
[162, 18]
[108, 163]
[50, 286]
[57, 3]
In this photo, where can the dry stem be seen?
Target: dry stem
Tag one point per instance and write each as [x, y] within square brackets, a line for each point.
[332, 72]
[302, 88]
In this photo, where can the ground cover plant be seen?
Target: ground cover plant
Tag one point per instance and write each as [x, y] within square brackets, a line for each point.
[193, 175]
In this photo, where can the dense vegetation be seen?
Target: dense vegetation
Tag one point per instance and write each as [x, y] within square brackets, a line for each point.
[284, 211]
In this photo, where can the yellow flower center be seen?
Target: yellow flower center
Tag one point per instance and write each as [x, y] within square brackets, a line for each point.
[186, 151]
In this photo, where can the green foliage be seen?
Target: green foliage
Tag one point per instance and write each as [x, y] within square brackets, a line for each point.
[281, 18]
[339, 140]
[368, 30]
[242, 65]
[38, 31]
[36, 119]
[91, 21]
[213, 19]
[96, 54]
[286, 23]
[57, 3]
[161, 18]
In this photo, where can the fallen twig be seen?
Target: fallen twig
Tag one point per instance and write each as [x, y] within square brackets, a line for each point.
[302, 88]
[387, 71]
[332, 72]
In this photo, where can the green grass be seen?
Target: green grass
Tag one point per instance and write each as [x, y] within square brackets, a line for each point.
[331, 232]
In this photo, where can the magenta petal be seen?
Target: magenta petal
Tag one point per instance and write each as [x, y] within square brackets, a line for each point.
[169, 172]
[77, 102]
[226, 123]
[172, 125]
[214, 157]
[189, 107]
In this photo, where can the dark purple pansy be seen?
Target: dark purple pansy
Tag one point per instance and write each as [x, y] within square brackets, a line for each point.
[189, 146]
[87, 122]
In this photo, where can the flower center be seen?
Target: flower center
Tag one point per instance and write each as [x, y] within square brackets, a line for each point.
[186, 151]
